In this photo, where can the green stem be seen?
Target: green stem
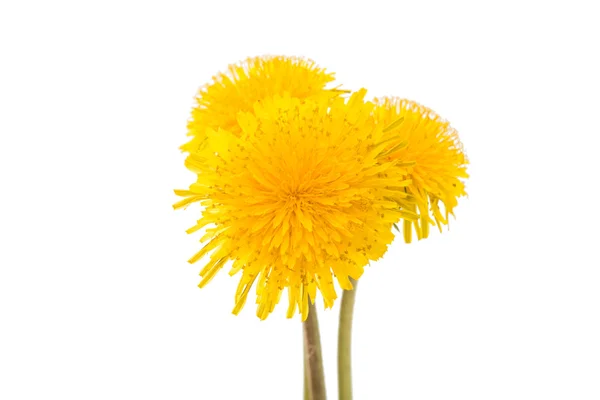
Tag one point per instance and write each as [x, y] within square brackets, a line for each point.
[305, 371]
[345, 343]
[313, 358]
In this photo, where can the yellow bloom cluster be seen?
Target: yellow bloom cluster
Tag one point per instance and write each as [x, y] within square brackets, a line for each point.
[300, 186]
[439, 161]
[219, 102]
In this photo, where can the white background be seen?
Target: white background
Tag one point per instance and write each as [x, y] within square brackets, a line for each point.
[97, 300]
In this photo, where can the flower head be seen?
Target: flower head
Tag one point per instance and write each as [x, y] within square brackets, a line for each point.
[303, 193]
[255, 79]
[439, 161]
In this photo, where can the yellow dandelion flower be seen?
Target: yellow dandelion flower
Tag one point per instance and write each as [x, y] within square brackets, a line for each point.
[439, 161]
[303, 195]
[236, 90]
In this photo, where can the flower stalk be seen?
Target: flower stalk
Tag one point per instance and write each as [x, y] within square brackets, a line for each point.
[345, 343]
[313, 359]
[305, 370]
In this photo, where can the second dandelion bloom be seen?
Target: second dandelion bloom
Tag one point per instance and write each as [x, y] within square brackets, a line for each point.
[305, 193]
[440, 165]
[254, 79]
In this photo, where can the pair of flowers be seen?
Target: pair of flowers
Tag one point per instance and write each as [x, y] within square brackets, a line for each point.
[301, 184]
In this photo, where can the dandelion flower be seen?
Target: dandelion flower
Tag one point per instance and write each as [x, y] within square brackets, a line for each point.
[236, 90]
[302, 195]
[439, 161]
